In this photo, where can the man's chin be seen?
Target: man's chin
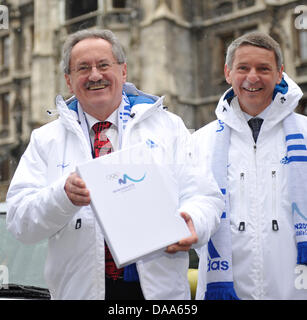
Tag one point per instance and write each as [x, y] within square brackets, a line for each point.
[253, 108]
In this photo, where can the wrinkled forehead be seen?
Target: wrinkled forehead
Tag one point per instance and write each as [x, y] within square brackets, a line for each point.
[267, 53]
[91, 50]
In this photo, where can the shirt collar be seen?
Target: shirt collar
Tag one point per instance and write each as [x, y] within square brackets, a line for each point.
[261, 115]
[113, 118]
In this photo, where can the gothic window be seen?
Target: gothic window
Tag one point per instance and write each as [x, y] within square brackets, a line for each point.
[6, 51]
[4, 55]
[75, 8]
[223, 8]
[79, 14]
[245, 3]
[219, 51]
[302, 37]
[118, 4]
[4, 170]
[4, 109]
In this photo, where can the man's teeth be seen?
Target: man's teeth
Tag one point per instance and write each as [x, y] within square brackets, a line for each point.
[252, 89]
[97, 87]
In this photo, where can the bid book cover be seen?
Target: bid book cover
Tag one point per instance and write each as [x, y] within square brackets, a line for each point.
[135, 200]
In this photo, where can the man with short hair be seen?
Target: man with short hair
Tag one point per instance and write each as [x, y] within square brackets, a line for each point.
[47, 199]
[257, 148]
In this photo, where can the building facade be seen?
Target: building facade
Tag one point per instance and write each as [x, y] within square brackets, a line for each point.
[175, 48]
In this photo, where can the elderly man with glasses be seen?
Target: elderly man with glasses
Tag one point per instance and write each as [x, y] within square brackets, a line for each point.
[47, 199]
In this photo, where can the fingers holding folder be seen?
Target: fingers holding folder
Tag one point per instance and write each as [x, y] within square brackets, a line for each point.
[184, 244]
[76, 190]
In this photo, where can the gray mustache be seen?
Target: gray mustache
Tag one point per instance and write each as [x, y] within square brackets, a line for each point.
[97, 83]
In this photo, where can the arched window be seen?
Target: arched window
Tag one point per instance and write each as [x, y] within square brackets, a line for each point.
[245, 3]
[224, 8]
[118, 4]
[302, 37]
[75, 8]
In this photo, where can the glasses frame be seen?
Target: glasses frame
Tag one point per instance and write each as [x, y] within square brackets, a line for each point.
[85, 69]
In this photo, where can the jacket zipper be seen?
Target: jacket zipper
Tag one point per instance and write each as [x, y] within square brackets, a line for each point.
[274, 211]
[242, 207]
[259, 281]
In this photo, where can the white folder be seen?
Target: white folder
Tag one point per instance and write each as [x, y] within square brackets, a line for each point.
[135, 199]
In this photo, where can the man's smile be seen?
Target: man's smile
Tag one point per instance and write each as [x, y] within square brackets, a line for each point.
[99, 85]
[252, 89]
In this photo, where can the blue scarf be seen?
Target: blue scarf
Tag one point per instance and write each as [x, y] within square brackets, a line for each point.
[296, 161]
[219, 273]
[124, 115]
[124, 112]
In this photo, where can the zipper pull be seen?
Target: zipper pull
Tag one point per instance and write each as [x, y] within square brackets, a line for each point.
[241, 226]
[78, 224]
[275, 225]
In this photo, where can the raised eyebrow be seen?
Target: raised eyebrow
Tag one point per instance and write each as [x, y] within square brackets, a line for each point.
[82, 63]
[103, 61]
[261, 65]
[242, 64]
[267, 65]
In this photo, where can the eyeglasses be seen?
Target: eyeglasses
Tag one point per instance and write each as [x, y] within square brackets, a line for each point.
[85, 69]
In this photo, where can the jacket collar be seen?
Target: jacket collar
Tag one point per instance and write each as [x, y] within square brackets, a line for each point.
[143, 105]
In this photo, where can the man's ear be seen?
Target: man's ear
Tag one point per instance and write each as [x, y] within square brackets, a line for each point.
[124, 72]
[280, 74]
[68, 82]
[227, 74]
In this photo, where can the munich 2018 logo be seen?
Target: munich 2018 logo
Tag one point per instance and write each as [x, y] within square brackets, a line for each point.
[126, 177]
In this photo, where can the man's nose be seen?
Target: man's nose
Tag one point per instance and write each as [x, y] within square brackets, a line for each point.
[252, 76]
[94, 74]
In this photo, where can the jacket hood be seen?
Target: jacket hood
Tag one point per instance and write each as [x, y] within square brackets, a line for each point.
[285, 99]
[131, 90]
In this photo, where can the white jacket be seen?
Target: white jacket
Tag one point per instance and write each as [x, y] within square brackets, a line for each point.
[264, 261]
[38, 207]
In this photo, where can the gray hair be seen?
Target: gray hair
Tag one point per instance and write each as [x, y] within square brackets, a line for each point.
[257, 39]
[74, 38]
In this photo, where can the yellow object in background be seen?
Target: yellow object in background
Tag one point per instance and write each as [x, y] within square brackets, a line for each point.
[192, 277]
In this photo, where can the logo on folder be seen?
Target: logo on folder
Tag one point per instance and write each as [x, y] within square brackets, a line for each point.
[126, 177]
[123, 182]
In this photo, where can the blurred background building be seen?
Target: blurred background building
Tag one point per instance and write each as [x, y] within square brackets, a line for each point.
[175, 48]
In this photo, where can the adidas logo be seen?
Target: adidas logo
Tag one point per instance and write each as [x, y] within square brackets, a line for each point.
[215, 263]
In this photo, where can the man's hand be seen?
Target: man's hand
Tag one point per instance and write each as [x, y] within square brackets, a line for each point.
[76, 190]
[184, 244]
